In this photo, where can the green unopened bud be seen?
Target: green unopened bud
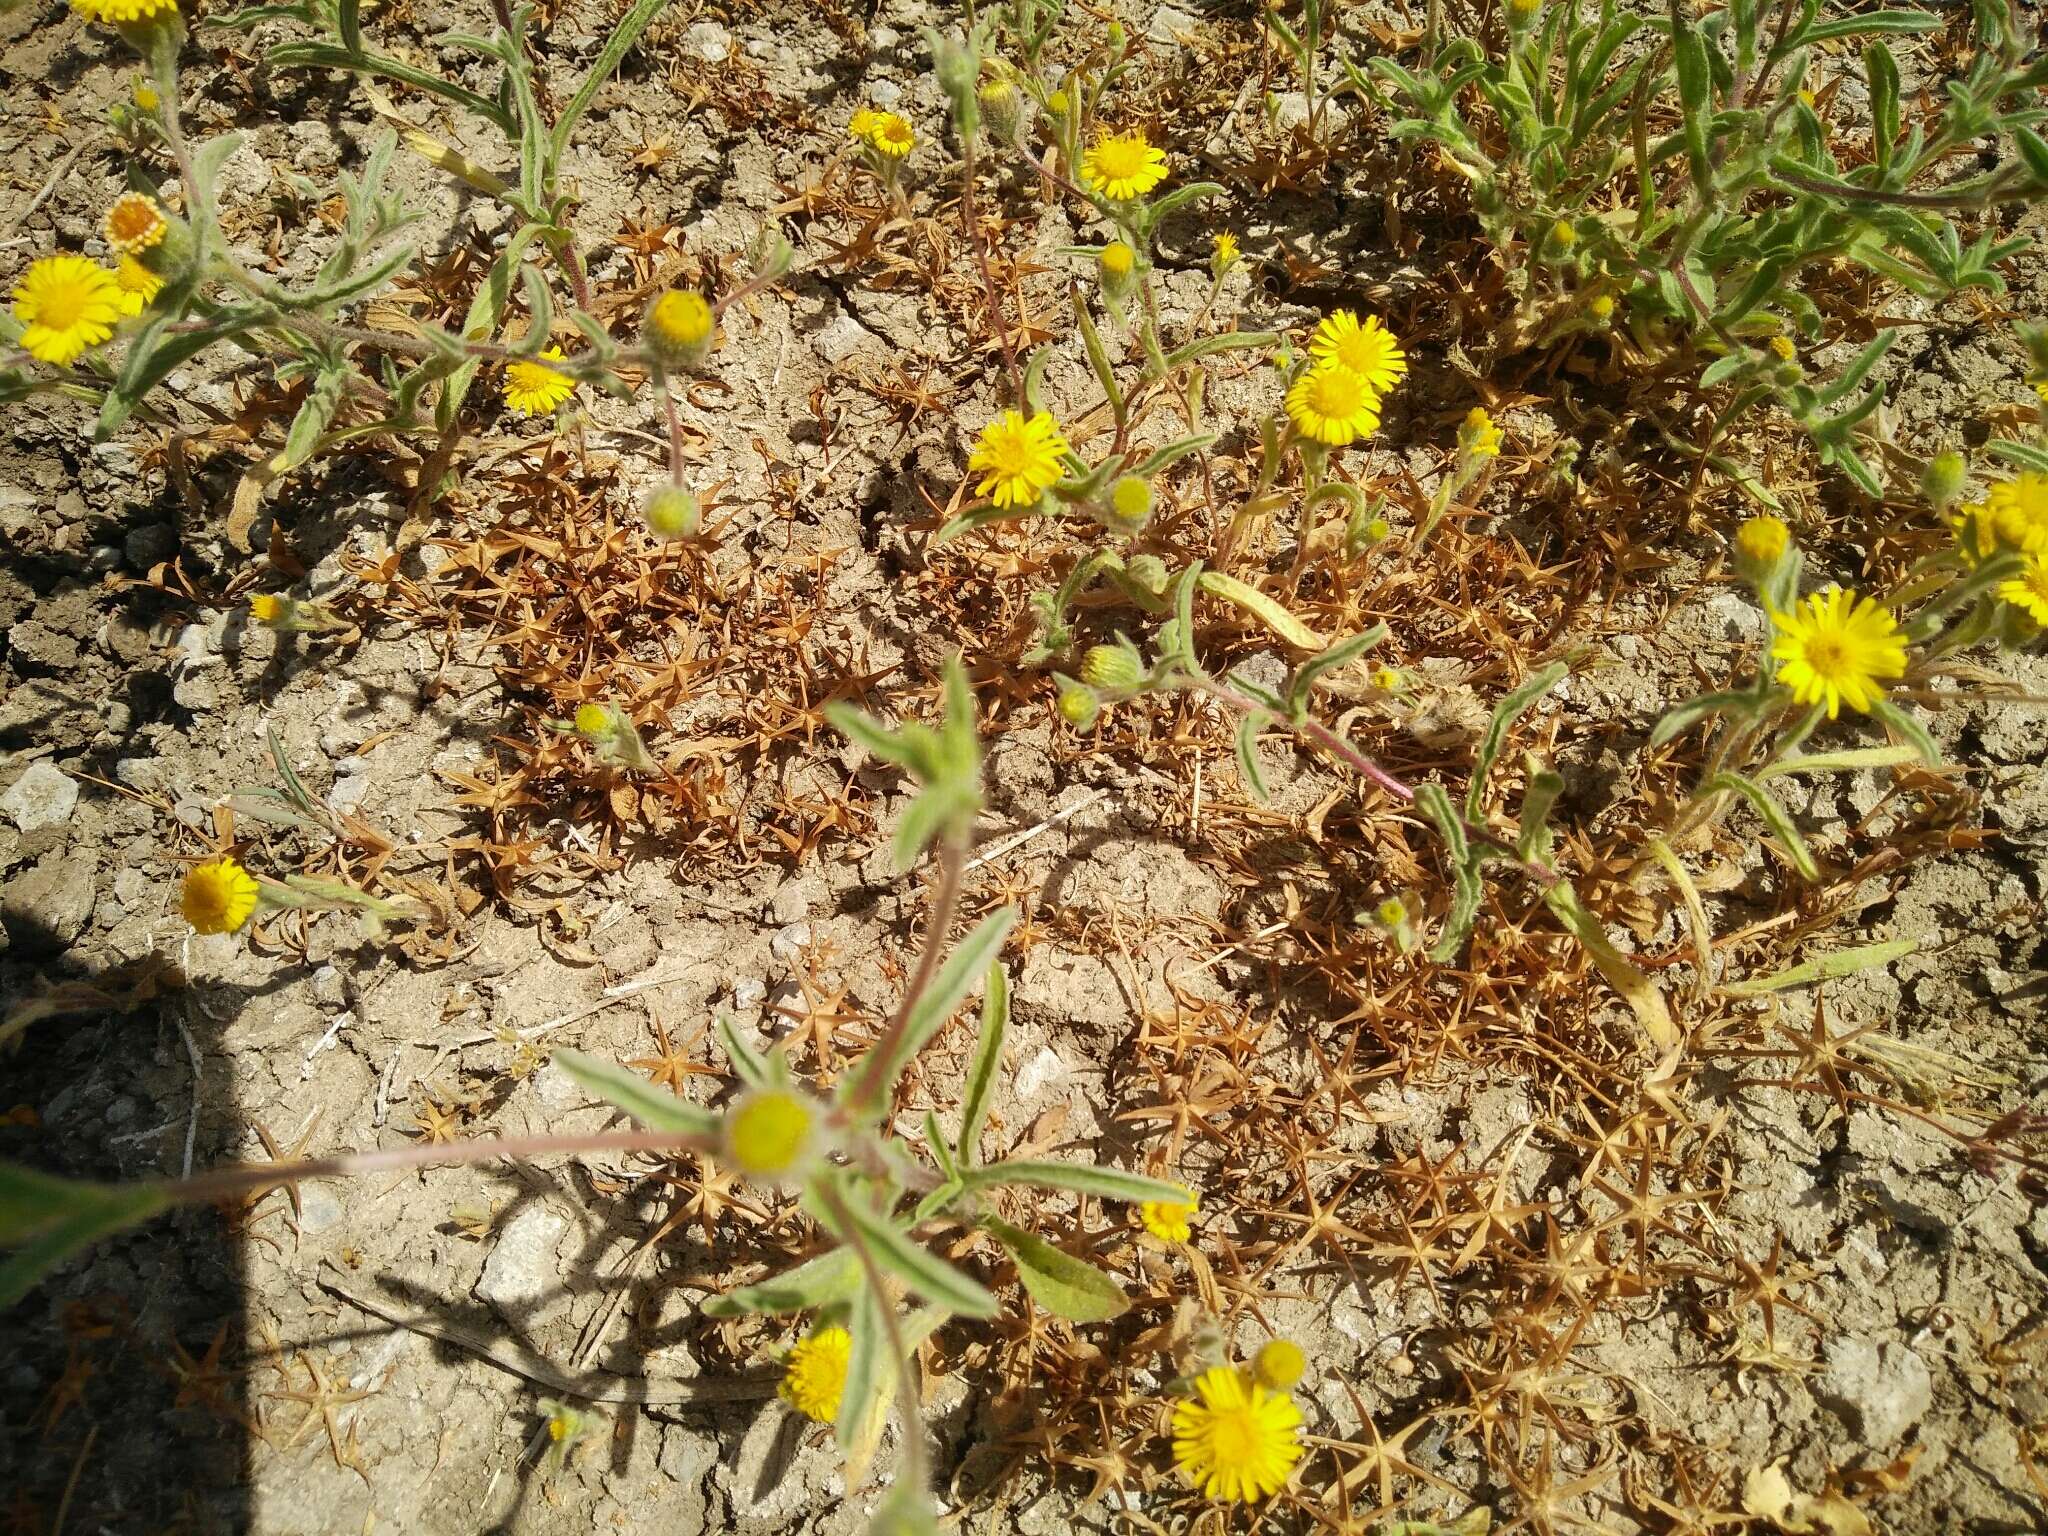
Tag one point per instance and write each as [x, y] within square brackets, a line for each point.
[1002, 105]
[1130, 500]
[1118, 265]
[1522, 14]
[1948, 473]
[672, 513]
[611, 735]
[1113, 668]
[1078, 704]
[1558, 243]
[1116, 34]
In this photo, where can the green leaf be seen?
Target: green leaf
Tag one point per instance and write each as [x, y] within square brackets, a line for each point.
[1064, 1285]
[754, 1069]
[328, 56]
[1774, 814]
[988, 1057]
[653, 1106]
[968, 963]
[46, 1219]
[917, 1267]
[624, 36]
[1908, 726]
[1843, 962]
[864, 1366]
[1248, 767]
[1616, 969]
[1534, 838]
[1222, 341]
[1341, 654]
[1463, 861]
[1681, 717]
[1173, 451]
[830, 1277]
[1505, 714]
[152, 355]
[1891, 22]
[1081, 1178]
[1837, 762]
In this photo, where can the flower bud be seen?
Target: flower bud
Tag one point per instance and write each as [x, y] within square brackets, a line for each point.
[1078, 705]
[1278, 1365]
[1478, 437]
[1112, 668]
[1130, 500]
[1602, 308]
[1948, 473]
[1760, 543]
[1148, 572]
[770, 1132]
[1118, 265]
[672, 513]
[678, 329]
[1003, 108]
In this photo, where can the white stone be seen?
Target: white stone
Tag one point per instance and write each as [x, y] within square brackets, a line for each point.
[1881, 1390]
[45, 796]
[788, 944]
[522, 1269]
[709, 41]
[842, 338]
[1040, 1072]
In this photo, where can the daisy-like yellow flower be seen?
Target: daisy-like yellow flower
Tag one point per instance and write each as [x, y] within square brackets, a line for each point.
[65, 305]
[146, 98]
[534, 389]
[1223, 251]
[1835, 648]
[1333, 405]
[1365, 346]
[1168, 1220]
[139, 286]
[814, 1375]
[1234, 1439]
[2013, 515]
[1018, 458]
[1122, 166]
[1602, 307]
[891, 135]
[217, 896]
[769, 1132]
[862, 123]
[134, 224]
[267, 608]
[119, 12]
[2028, 591]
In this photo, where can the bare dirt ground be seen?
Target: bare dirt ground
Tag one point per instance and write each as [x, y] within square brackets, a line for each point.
[1537, 1270]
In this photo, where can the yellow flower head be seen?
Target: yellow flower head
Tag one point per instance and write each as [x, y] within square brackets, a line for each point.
[1234, 1439]
[217, 896]
[594, 720]
[672, 512]
[1111, 667]
[134, 224]
[1784, 349]
[1223, 251]
[862, 123]
[2041, 393]
[1563, 236]
[139, 286]
[1168, 1220]
[534, 389]
[814, 1374]
[1392, 912]
[1117, 259]
[2028, 591]
[1365, 346]
[679, 326]
[146, 98]
[769, 1132]
[891, 136]
[1763, 540]
[1122, 166]
[267, 607]
[1333, 405]
[1835, 647]
[65, 305]
[1279, 1364]
[1078, 705]
[1478, 437]
[1018, 458]
[119, 12]
[1602, 307]
[2012, 516]
[1131, 499]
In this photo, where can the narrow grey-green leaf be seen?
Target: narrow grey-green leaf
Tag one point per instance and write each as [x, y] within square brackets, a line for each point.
[1064, 1285]
[916, 1266]
[968, 963]
[1082, 1178]
[1774, 814]
[988, 1056]
[819, 1282]
[653, 1106]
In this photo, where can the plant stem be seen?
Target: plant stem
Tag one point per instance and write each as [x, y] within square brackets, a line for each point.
[945, 901]
[972, 223]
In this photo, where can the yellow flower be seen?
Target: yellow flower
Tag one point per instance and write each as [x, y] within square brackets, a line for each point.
[134, 224]
[1763, 540]
[1602, 307]
[2028, 591]
[1478, 437]
[1563, 236]
[146, 98]
[1131, 499]
[1235, 1439]
[1122, 166]
[2013, 515]
[814, 1374]
[862, 123]
[1834, 647]
[769, 1132]
[1333, 405]
[1117, 259]
[217, 896]
[1783, 347]
[679, 327]
[1223, 252]
[2041, 393]
[1366, 347]
[534, 389]
[1392, 912]
[65, 305]
[1279, 1364]
[594, 720]
[266, 607]
[1168, 1220]
[116, 12]
[1018, 458]
[1078, 705]
[890, 135]
[139, 286]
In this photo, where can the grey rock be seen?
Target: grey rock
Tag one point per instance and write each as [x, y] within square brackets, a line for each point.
[842, 338]
[709, 42]
[45, 796]
[1168, 25]
[1880, 1390]
[522, 1268]
[35, 642]
[789, 943]
[46, 909]
[146, 545]
[319, 1207]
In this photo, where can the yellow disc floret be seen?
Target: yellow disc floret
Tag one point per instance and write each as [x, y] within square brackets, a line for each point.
[769, 1132]
[65, 304]
[1234, 1439]
[134, 224]
[814, 1374]
[1122, 166]
[121, 12]
[1763, 540]
[1836, 648]
[1279, 1364]
[217, 896]
[1365, 346]
[1168, 1220]
[1333, 405]
[1018, 458]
